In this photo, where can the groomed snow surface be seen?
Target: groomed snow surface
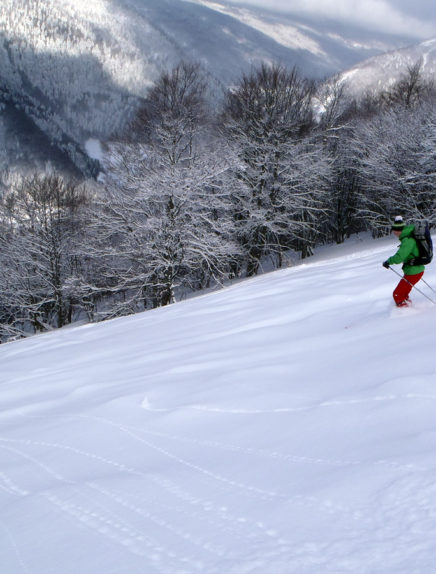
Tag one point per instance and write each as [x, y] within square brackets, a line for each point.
[283, 425]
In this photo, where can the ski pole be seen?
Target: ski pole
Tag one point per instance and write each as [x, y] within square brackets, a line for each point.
[429, 286]
[414, 286]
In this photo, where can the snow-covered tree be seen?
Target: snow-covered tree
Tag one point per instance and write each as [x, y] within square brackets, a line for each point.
[411, 90]
[165, 211]
[335, 126]
[268, 119]
[41, 227]
[397, 165]
[167, 231]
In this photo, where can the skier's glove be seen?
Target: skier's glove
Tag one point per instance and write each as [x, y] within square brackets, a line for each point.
[385, 264]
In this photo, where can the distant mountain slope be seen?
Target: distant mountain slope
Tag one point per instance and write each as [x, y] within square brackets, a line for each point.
[380, 72]
[77, 68]
[318, 47]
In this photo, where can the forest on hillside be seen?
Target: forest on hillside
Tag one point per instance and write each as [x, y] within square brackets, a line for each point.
[198, 192]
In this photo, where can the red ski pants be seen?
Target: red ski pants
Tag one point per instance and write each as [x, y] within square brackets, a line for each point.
[402, 290]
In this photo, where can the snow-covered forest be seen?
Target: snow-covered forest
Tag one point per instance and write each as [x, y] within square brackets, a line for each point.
[196, 194]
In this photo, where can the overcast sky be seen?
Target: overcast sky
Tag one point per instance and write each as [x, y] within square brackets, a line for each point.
[416, 18]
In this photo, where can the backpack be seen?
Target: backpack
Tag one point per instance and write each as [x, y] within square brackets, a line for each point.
[421, 234]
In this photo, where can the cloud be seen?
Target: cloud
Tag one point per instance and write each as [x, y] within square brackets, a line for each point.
[418, 20]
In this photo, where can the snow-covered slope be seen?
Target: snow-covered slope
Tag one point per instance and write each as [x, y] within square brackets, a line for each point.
[381, 72]
[284, 425]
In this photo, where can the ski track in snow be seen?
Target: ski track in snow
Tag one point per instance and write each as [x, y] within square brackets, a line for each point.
[93, 513]
[279, 410]
[134, 541]
[103, 521]
[23, 568]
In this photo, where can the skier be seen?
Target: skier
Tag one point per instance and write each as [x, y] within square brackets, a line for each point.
[407, 251]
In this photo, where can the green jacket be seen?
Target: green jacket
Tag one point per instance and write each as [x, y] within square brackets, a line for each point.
[407, 250]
